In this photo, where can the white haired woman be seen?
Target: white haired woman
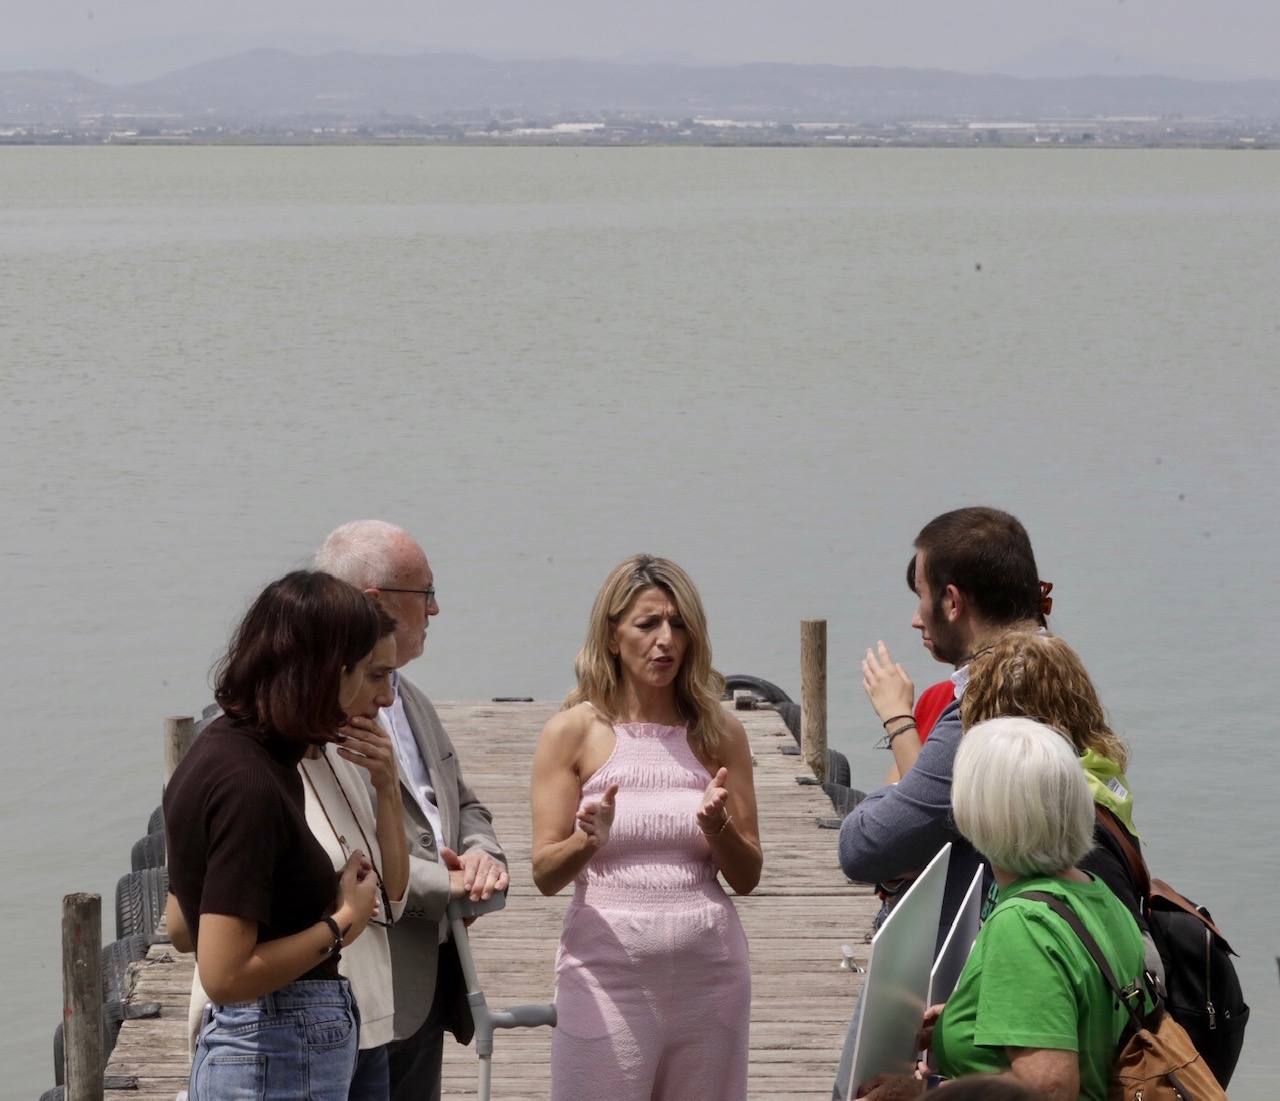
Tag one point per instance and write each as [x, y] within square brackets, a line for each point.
[642, 793]
[1031, 1005]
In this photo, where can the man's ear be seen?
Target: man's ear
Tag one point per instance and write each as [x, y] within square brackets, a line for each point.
[953, 603]
[373, 591]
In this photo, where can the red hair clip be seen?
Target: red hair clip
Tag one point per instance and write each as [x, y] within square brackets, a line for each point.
[1046, 601]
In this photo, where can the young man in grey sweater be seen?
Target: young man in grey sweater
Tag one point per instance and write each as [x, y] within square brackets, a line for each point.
[975, 575]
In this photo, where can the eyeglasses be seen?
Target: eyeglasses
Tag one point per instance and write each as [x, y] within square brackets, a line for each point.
[429, 592]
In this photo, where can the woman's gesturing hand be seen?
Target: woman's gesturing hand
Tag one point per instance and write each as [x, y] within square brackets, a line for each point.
[886, 683]
[366, 744]
[357, 894]
[713, 815]
[596, 819]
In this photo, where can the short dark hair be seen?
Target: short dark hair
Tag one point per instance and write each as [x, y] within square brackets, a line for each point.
[986, 554]
[282, 669]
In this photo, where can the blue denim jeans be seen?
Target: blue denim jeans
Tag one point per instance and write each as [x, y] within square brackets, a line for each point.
[299, 1042]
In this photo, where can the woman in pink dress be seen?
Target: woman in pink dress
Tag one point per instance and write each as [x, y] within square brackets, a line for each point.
[642, 793]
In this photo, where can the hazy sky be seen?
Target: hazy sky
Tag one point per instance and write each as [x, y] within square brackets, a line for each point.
[1221, 37]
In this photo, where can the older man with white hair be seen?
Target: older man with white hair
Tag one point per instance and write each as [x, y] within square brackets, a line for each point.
[453, 850]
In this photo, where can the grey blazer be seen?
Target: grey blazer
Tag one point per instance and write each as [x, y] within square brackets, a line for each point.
[467, 824]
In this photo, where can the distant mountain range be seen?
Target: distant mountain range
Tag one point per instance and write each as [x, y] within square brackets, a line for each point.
[1071, 57]
[275, 87]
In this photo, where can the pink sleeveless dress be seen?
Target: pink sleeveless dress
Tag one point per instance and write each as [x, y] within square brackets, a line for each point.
[653, 987]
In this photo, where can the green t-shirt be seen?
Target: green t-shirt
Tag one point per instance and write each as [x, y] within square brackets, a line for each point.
[1030, 983]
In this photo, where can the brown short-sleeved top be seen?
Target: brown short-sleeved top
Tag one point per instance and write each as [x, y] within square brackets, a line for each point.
[238, 842]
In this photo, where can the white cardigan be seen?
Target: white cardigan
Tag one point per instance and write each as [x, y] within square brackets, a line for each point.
[366, 962]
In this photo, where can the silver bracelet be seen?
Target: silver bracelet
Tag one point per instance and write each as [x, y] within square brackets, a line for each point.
[723, 826]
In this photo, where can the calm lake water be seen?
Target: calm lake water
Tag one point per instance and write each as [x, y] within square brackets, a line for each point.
[771, 365]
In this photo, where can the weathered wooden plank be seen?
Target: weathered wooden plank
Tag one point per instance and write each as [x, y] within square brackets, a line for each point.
[796, 922]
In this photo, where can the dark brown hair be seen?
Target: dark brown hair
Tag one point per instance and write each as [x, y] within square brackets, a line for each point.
[281, 672]
[986, 554]
[983, 1087]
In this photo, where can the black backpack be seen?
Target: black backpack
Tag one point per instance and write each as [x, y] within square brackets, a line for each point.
[1201, 989]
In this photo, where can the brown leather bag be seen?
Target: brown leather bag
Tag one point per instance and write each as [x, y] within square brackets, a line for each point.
[1162, 1065]
[1157, 1060]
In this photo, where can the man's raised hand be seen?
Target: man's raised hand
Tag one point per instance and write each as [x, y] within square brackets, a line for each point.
[887, 684]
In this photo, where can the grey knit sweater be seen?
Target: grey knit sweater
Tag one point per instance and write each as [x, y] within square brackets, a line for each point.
[897, 830]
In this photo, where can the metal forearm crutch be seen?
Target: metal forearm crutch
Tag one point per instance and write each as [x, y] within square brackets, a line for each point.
[486, 1020]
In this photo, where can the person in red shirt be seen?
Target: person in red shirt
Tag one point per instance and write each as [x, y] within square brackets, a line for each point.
[932, 702]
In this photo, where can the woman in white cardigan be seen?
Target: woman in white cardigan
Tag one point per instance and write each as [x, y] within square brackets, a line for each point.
[345, 816]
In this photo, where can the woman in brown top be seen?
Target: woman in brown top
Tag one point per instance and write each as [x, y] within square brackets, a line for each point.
[253, 892]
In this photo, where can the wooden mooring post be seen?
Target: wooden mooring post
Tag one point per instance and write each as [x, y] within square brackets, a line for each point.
[82, 997]
[813, 695]
[179, 732]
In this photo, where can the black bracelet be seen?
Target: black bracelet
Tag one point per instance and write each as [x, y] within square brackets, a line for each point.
[338, 934]
[895, 718]
[887, 741]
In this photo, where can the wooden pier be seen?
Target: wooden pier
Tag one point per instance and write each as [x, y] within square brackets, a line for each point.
[796, 922]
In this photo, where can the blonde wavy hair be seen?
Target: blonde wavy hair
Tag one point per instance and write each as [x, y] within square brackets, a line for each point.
[698, 686]
[1040, 677]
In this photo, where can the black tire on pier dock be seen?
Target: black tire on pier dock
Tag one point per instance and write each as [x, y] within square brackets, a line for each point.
[838, 768]
[140, 901]
[116, 958]
[148, 852]
[155, 824]
[789, 713]
[843, 798]
[58, 1093]
[788, 710]
[112, 1018]
[766, 690]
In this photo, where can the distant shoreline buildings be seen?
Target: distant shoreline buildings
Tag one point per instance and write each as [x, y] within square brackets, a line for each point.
[277, 97]
[1116, 132]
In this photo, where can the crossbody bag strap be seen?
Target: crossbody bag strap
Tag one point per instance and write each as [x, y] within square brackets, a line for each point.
[1138, 870]
[1059, 907]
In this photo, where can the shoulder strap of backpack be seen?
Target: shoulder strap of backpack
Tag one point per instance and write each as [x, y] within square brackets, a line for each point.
[1152, 891]
[1059, 907]
[1137, 866]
